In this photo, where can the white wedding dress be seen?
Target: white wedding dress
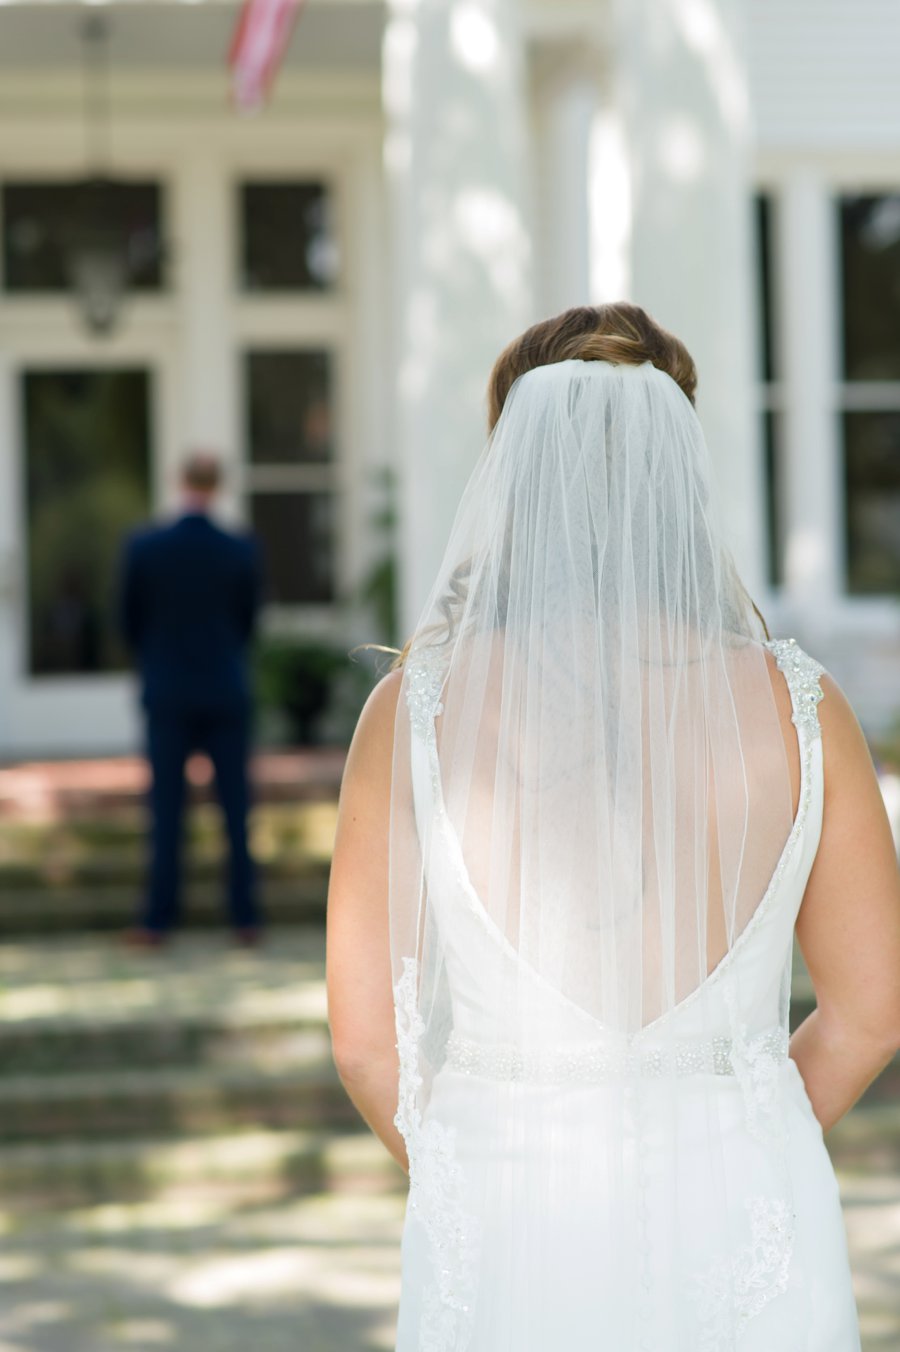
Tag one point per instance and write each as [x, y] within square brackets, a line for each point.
[481, 1275]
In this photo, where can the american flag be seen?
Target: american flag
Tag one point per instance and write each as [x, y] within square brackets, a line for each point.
[259, 42]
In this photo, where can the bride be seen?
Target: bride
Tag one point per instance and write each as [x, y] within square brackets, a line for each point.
[580, 822]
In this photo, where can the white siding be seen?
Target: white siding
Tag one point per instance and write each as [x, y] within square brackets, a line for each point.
[825, 74]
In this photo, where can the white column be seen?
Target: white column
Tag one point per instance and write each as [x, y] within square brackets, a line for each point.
[203, 268]
[682, 90]
[806, 256]
[13, 526]
[568, 100]
[456, 159]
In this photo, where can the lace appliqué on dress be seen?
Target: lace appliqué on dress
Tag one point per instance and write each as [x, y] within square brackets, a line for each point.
[734, 1289]
[758, 1063]
[435, 1187]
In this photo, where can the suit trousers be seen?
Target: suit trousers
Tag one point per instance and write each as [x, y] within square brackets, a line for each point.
[172, 735]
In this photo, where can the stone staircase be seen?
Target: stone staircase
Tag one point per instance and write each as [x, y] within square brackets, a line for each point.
[124, 1076]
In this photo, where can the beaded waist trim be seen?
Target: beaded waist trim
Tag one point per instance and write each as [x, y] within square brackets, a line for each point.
[597, 1062]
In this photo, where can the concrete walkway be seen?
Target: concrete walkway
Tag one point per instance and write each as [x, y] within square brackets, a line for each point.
[225, 1250]
[200, 1274]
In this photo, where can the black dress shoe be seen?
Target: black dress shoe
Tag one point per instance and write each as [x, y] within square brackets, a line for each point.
[147, 940]
[248, 936]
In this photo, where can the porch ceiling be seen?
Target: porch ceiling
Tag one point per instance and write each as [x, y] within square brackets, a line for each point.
[178, 34]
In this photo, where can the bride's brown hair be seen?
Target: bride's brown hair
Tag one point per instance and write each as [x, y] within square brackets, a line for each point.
[618, 332]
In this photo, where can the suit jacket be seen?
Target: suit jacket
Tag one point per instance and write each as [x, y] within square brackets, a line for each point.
[189, 596]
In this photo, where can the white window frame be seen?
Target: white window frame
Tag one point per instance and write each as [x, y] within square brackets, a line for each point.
[293, 321]
[812, 395]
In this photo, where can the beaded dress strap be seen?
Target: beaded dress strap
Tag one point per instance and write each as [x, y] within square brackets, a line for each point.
[426, 668]
[802, 674]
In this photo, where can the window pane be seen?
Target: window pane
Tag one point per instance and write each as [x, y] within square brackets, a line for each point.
[771, 451]
[297, 533]
[87, 479]
[870, 246]
[288, 238]
[289, 407]
[44, 223]
[873, 501]
[763, 221]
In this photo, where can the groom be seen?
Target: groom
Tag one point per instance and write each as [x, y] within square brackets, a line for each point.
[190, 593]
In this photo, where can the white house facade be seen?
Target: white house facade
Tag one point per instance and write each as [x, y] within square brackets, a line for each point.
[317, 291]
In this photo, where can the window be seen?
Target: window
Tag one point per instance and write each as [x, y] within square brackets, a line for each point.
[291, 470]
[872, 458]
[870, 257]
[296, 530]
[44, 224]
[288, 241]
[870, 248]
[289, 407]
[770, 391]
[87, 440]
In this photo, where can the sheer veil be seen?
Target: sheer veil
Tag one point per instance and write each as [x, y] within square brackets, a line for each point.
[590, 788]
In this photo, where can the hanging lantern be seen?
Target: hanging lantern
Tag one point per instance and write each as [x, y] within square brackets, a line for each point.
[98, 262]
[104, 256]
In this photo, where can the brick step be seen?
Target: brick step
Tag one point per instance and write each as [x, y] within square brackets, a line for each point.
[48, 1047]
[57, 791]
[297, 900]
[114, 870]
[175, 1101]
[287, 839]
[249, 1167]
[126, 825]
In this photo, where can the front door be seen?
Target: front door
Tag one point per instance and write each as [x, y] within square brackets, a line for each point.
[80, 476]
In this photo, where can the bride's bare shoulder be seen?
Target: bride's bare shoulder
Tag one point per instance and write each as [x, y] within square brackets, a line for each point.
[374, 732]
[844, 745]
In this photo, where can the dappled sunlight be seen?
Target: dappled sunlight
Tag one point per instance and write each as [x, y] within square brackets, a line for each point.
[18, 1267]
[127, 1266]
[609, 195]
[806, 555]
[474, 39]
[399, 52]
[700, 25]
[31, 1314]
[490, 228]
[134, 1332]
[84, 980]
[316, 1271]
[223, 1279]
[682, 150]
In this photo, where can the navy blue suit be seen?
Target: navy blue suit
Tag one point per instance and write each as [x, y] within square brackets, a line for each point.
[190, 592]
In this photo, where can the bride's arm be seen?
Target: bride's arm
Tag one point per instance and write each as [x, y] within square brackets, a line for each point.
[849, 926]
[358, 966]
